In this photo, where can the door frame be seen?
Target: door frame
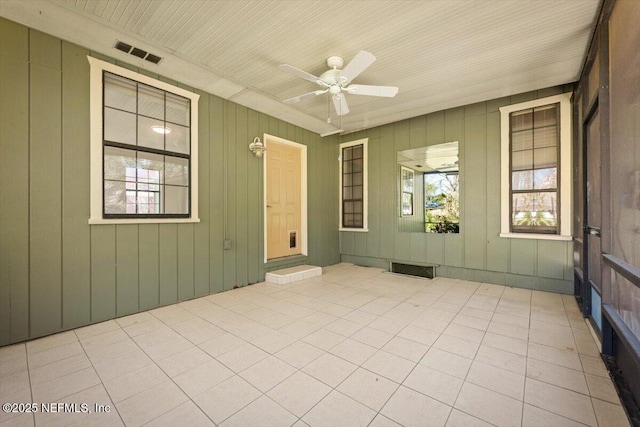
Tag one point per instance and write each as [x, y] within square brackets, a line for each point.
[589, 232]
[303, 191]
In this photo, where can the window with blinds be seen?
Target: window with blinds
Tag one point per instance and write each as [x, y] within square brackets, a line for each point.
[534, 169]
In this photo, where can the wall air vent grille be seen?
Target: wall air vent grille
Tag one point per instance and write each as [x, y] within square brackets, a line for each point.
[428, 272]
[135, 51]
[152, 58]
[126, 48]
[138, 52]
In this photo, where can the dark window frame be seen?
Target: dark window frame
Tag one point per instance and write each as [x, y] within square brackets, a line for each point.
[549, 230]
[142, 149]
[353, 200]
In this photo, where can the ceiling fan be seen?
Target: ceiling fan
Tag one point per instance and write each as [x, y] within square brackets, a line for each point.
[337, 82]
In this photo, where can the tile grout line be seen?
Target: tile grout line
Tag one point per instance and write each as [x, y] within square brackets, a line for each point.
[168, 376]
[526, 363]
[84, 351]
[401, 295]
[474, 359]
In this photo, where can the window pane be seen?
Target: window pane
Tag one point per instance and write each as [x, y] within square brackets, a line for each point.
[347, 167]
[358, 220]
[150, 102]
[357, 178]
[150, 167]
[347, 220]
[535, 211]
[176, 171]
[522, 140]
[357, 206]
[119, 126]
[348, 207]
[357, 192]
[546, 137]
[521, 120]
[407, 204]
[347, 194]
[147, 137]
[545, 157]
[357, 165]
[442, 202]
[347, 181]
[544, 178]
[407, 185]
[176, 200]
[119, 164]
[178, 140]
[357, 152]
[148, 202]
[114, 197]
[522, 160]
[131, 205]
[346, 153]
[177, 109]
[522, 180]
[546, 115]
[119, 92]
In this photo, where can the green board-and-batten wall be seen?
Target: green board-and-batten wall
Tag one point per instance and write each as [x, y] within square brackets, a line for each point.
[56, 271]
[478, 253]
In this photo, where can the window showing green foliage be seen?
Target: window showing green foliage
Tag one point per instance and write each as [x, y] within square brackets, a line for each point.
[442, 202]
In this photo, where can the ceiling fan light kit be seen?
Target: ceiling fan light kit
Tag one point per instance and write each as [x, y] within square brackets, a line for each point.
[337, 81]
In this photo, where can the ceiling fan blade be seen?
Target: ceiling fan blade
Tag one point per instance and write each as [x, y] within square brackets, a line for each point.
[297, 99]
[340, 104]
[386, 91]
[358, 64]
[298, 72]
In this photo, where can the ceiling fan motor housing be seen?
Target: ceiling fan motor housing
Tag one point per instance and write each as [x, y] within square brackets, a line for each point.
[335, 62]
[330, 77]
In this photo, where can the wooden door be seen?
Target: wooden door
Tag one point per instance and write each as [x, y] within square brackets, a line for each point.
[283, 199]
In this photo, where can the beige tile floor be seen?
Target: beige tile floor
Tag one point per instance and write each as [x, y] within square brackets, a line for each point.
[354, 347]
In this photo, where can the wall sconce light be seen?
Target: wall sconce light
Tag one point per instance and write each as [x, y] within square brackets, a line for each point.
[257, 147]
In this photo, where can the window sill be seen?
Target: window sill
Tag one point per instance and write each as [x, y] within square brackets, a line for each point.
[95, 221]
[536, 236]
[357, 230]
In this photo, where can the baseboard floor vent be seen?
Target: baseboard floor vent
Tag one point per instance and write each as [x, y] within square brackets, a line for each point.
[428, 272]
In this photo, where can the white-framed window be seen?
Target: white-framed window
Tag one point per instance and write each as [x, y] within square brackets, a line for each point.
[144, 148]
[536, 169]
[353, 185]
[407, 186]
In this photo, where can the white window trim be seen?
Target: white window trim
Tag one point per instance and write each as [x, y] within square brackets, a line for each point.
[413, 192]
[96, 157]
[365, 186]
[565, 168]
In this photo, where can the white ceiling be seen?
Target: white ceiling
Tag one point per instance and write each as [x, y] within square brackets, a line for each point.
[441, 54]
